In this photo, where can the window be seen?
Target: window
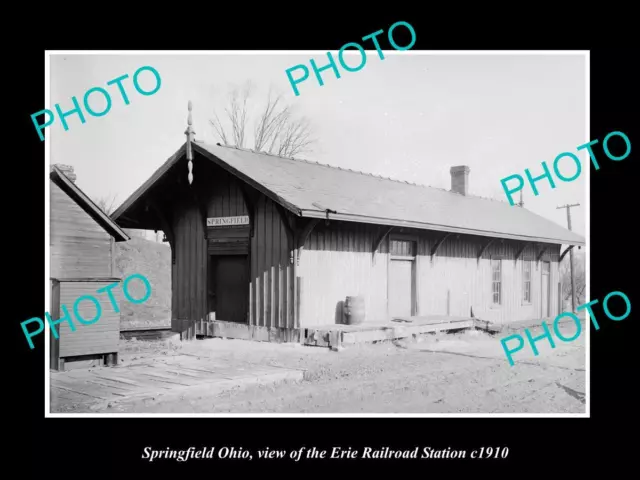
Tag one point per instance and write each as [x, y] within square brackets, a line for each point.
[496, 277]
[546, 268]
[402, 248]
[526, 281]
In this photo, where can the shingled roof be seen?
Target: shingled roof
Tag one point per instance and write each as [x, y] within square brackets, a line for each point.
[58, 177]
[310, 189]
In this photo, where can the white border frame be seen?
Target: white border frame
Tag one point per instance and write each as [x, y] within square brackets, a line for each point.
[47, 143]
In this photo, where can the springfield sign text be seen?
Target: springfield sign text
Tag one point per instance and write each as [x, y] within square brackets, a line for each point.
[225, 221]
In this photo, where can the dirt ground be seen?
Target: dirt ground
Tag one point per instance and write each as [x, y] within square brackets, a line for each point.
[439, 373]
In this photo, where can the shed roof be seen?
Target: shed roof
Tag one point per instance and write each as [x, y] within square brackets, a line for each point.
[310, 189]
[83, 201]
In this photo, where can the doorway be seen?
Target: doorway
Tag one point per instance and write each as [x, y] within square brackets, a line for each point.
[228, 287]
[401, 290]
[545, 290]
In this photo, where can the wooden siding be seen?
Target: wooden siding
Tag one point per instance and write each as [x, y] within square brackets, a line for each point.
[189, 272]
[79, 245]
[271, 300]
[225, 197]
[456, 274]
[270, 289]
[54, 345]
[337, 262]
[97, 338]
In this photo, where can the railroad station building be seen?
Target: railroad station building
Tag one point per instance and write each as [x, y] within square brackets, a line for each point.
[277, 244]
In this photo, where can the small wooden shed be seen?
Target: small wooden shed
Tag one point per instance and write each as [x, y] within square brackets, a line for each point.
[82, 243]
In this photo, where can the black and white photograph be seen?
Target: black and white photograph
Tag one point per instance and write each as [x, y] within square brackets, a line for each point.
[240, 233]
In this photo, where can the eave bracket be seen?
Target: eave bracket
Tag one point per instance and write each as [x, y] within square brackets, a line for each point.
[377, 242]
[542, 252]
[437, 245]
[524, 247]
[484, 248]
[567, 250]
[304, 235]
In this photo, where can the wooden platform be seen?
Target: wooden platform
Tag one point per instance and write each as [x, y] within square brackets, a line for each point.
[335, 335]
[164, 375]
[521, 325]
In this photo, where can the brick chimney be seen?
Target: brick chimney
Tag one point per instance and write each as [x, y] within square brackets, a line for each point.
[67, 170]
[460, 179]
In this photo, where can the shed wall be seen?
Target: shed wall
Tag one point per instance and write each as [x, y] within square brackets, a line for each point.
[97, 338]
[79, 246]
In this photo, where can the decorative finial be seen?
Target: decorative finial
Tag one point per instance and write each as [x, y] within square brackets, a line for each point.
[190, 136]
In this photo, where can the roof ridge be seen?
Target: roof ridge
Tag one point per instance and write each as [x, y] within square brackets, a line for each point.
[369, 174]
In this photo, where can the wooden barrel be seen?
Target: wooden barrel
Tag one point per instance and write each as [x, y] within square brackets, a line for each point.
[354, 310]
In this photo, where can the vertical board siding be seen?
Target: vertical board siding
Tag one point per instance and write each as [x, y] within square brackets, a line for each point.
[100, 337]
[54, 350]
[225, 197]
[189, 273]
[221, 197]
[79, 246]
[337, 262]
[455, 271]
[271, 269]
[270, 289]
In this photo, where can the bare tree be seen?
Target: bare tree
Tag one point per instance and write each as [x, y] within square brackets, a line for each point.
[107, 203]
[276, 129]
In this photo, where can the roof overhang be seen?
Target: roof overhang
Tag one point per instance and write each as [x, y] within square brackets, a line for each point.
[135, 197]
[133, 202]
[248, 180]
[428, 226]
[84, 202]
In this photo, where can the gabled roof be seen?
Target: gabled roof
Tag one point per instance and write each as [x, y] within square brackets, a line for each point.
[310, 189]
[84, 202]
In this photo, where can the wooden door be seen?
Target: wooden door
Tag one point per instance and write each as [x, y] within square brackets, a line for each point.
[545, 291]
[400, 288]
[230, 289]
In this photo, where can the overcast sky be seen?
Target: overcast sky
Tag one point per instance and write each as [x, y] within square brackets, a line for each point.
[409, 116]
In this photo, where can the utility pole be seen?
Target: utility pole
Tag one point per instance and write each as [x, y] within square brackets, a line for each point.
[573, 278]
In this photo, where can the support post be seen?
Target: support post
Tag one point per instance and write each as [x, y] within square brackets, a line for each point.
[571, 265]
